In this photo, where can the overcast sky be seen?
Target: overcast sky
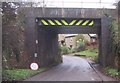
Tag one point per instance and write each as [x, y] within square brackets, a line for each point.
[78, 3]
[106, 1]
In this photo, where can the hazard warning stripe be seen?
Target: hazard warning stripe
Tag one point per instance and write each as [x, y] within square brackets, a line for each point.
[72, 22]
[58, 23]
[91, 23]
[63, 22]
[51, 22]
[44, 22]
[79, 22]
[85, 23]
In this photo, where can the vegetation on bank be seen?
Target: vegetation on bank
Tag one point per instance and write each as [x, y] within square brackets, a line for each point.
[92, 54]
[89, 52]
[19, 74]
[114, 42]
[113, 72]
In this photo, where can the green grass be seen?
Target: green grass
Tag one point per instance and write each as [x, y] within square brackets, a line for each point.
[89, 52]
[19, 74]
[112, 72]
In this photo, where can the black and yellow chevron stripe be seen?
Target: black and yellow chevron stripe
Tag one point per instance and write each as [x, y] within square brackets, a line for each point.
[63, 22]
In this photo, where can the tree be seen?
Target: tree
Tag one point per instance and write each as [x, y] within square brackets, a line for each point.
[13, 32]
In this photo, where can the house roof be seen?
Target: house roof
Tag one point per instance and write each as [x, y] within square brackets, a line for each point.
[93, 35]
[70, 35]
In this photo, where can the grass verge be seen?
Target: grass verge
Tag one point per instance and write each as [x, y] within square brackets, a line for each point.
[111, 72]
[89, 52]
[19, 74]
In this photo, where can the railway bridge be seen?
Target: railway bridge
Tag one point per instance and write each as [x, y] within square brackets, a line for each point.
[44, 24]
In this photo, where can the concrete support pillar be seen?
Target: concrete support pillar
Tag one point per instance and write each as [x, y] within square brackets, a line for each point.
[104, 48]
[48, 48]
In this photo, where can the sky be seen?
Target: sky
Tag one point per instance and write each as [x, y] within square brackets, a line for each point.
[78, 3]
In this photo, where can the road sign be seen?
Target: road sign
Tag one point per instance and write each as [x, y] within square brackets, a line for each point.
[34, 66]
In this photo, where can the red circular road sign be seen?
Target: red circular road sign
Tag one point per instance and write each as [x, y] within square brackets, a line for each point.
[34, 66]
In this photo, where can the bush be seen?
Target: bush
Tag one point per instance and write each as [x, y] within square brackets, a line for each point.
[81, 47]
[111, 71]
[71, 51]
[63, 49]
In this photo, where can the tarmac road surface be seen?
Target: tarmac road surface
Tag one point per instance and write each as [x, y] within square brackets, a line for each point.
[73, 68]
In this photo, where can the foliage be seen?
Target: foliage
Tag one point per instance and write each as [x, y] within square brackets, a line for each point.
[81, 42]
[80, 37]
[63, 49]
[13, 32]
[80, 47]
[115, 47]
[19, 74]
[93, 50]
[89, 52]
[66, 50]
[71, 51]
[115, 41]
[112, 72]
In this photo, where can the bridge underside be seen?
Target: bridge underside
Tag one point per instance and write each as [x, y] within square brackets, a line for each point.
[47, 32]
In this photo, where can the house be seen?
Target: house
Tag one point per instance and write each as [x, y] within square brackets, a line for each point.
[68, 39]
